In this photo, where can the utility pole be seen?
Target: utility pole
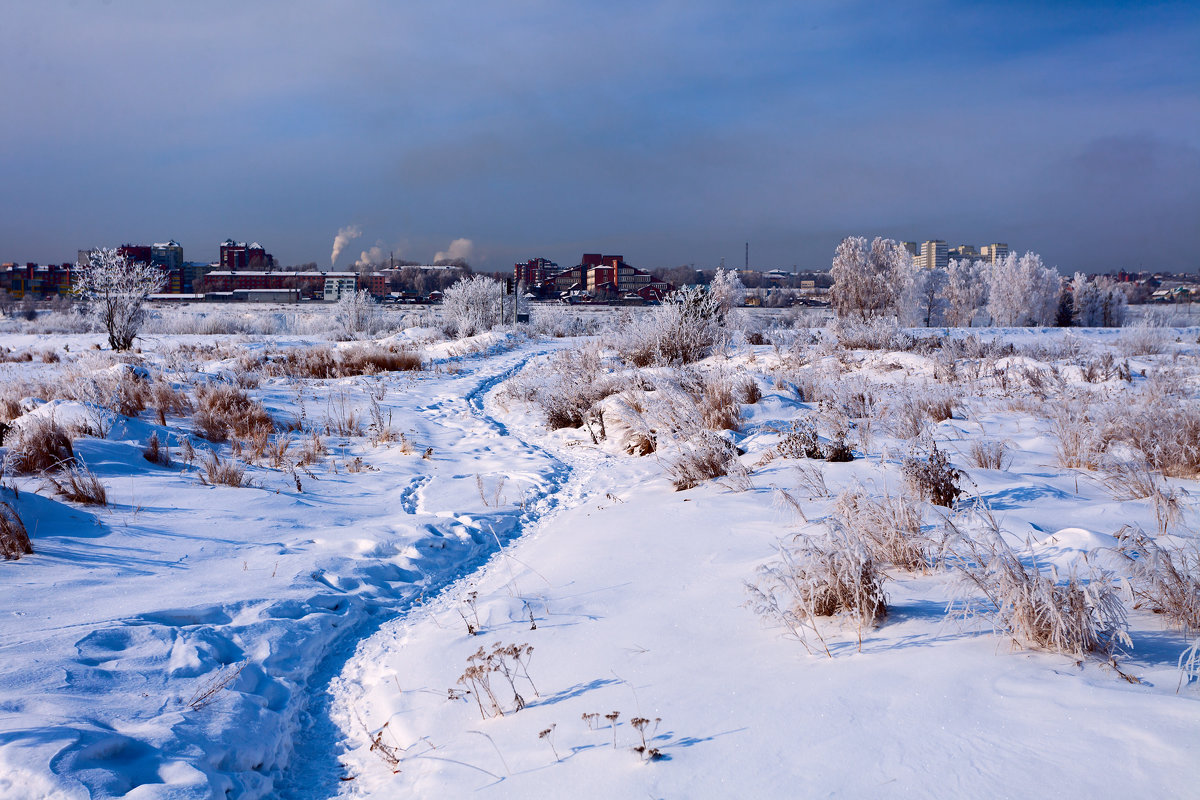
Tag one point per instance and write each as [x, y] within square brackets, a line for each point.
[747, 256]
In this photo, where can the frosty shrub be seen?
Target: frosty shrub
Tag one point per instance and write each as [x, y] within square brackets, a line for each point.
[1074, 616]
[223, 411]
[214, 471]
[801, 441]
[749, 392]
[561, 322]
[1080, 438]
[874, 333]
[921, 301]
[324, 362]
[567, 387]
[931, 477]
[473, 305]
[356, 314]
[681, 330]
[76, 482]
[14, 539]
[821, 576]
[115, 290]
[701, 457]
[726, 291]
[918, 407]
[1165, 579]
[890, 527]
[40, 445]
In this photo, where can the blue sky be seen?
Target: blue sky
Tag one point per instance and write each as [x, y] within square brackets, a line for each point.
[672, 132]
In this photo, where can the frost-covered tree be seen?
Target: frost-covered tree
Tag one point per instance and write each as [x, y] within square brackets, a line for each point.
[473, 305]
[866, 281]
[1097, 303]
[357, 313]
[726, 290]
[920, 301]
[115, 290]
[965, 291]
[1023, 292]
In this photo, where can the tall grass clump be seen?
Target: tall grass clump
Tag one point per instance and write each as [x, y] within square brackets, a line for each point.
[1165, 580]
[681, 330]
[890, 527]
[820, 577]
[1074, 615]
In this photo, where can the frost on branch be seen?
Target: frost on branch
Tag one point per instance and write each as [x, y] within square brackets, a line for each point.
[115, 290]
[473, 305]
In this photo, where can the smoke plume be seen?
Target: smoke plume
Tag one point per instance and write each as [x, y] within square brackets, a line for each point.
[459, 248]
[343, 238]
[375, 255]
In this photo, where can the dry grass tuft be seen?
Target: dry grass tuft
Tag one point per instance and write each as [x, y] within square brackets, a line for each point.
[323, 362]
[166, 399]
[79, 484]
[41, 445]
[1075, 616]
[988, 454]
[820, 577]
[215, 471]
[14, 539]
[890, 527]
[1165, 579]
[223, 411]
[706, 456]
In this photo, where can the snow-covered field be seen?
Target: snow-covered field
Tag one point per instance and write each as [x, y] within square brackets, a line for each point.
[312, 633]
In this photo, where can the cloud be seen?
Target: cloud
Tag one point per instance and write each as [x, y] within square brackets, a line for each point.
[459, 248]
[343, 238]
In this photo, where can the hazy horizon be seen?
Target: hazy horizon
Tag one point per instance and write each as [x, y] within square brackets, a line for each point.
[671, 133]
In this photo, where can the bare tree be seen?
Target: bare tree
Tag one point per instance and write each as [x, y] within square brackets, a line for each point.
[116, 289]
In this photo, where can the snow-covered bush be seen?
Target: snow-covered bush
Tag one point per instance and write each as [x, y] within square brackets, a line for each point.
[821, 576]
[1144, 338]
[1166, 430]
[1023, 292]
[14, 539]
[115, 290]
[866, 281]
[567, 388]
[801, 441]
[215, 471]
[990, 454]
[681, 330]
[1074, 616]
[473, 305]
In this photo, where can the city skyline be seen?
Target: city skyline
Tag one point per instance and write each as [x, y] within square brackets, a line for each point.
[672, 133]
